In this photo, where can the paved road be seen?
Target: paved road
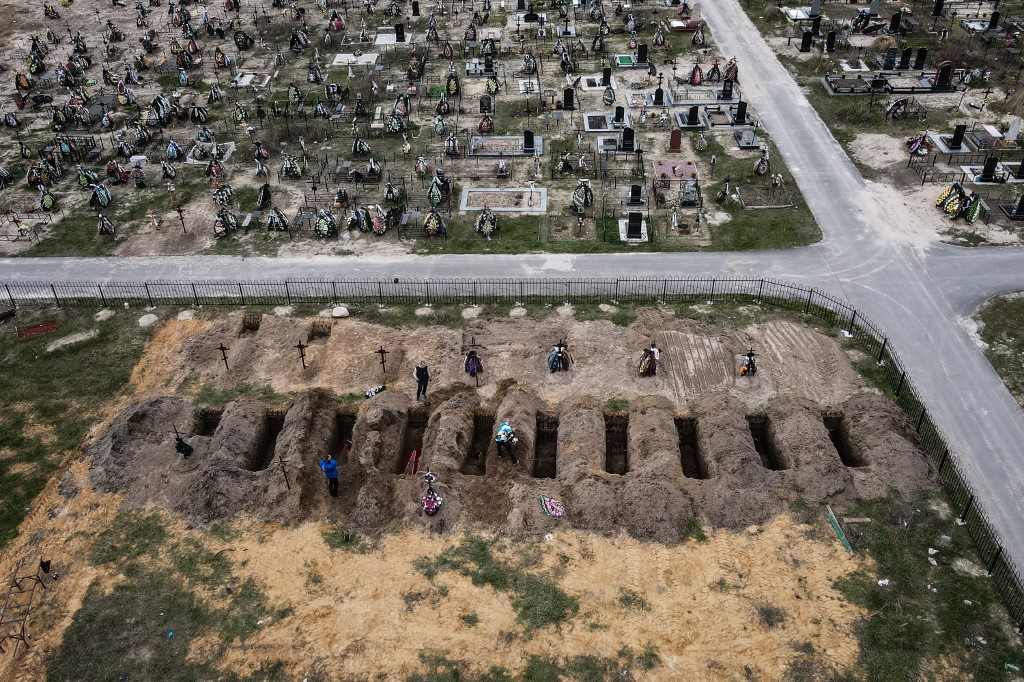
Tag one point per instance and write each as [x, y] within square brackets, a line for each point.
[918, 295]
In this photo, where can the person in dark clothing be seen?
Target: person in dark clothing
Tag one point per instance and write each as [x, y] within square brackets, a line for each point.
[330, 468]
[422, 379]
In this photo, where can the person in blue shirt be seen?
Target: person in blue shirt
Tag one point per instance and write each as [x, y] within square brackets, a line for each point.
[505, 440]
[330, 468]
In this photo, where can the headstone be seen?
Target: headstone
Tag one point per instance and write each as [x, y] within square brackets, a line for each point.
[488, 64]
[747, 138]
[894, 23]
[937, 9]
[727, 90]
[878, 83]
[1013, 132]
[486, 105]
[692, 117]
[520, 5]
[830, 41]
[628, 140]
[641, 53]
[1019, 211]
[945, 71]
[805, 42]
[675, 140]
[889, 58]
[659, 98]
[568, 99]
[873, 8]
[815, 8]
[415, 8]
[606, 77]
[922, 55]
[988, 172]
[993, 22]
[528, 142]
[957, 141]
[816, 25]
[620, 115]
[634, 225]
[399, 33]
[905, 59]
[741, 113]
[635, 195]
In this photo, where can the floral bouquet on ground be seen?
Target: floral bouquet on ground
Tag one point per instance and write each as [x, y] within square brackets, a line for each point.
[552, 507]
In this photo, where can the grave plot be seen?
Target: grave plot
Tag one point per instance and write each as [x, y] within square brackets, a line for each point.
[263, 454]
[690, 456]
[412, 441]
[505, 200]
[616, 430]
[483, 446]
[764, 443]
[546, 447]
[838, 433]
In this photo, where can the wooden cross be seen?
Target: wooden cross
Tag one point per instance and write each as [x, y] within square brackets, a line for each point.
[302, 353]
[383, 356]
[224, 354]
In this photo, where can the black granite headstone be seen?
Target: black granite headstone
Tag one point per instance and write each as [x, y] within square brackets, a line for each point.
[628, 140]
[641, 53]
[905, 59]
[659, 98]
[485, 105]
[415, 8]
[957, 141]
[488, 64]
[993, 22]
[636, 193]
[922, 55]
[988, 172]
[634, 226]
[692, 117]
[568, 99]
[606, 77]
[945, 71]
[816, 25]
[520, 5]
[620, 115]
[528, 142]
[399, 33]
[894, 23]
[1019, 211]
[805, 41]
[937, 9]
[726, 90]
[741, 113]
[889, 58]
[830, 41]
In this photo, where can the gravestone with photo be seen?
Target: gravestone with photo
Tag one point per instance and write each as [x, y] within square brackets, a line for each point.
[627, 143]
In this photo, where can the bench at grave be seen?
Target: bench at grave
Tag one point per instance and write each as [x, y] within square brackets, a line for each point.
[254, 215]
[633, 229]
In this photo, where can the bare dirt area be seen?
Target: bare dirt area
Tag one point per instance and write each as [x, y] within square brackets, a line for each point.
[640, 465]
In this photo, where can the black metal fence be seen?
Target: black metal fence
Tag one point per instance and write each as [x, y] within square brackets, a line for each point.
[810, 301]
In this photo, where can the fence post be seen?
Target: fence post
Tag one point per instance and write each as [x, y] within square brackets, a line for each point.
[664, 290]
[475, 302]
[334, 291]
[287, 292]
[807, 306]
[55, 298]
[853, 318]
[522, 298]
[942, 462]
[992, 565]
[195, 295]
[711, 294]
[615, 297]
[13, 304]
[241, 293]
[967, 508]
[102, 297]
[899, 386]
[920, 419]
[426, 283]
[760, 287]
[881, 353]
[568, 291]
[149, 296]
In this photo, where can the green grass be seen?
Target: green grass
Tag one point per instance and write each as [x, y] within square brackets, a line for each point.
[52, 399]
[695, 531]
[1002, 321]
[632, 600]
[210, 396]
[909, 627]
[588, 668]
[350, 542]
[616, 405]
[470, 619]
[537, 599]
[144, 628]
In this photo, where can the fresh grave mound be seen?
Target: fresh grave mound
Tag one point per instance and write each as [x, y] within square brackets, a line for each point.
[650, 472]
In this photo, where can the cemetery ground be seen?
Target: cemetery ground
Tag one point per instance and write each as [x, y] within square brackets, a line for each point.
[72, 231]
[999, 322]
[694, 546]
[877, 143]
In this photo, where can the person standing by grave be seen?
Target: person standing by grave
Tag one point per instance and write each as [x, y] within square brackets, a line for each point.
[506, 439]
[422, 375]
[655, 357]
[329, 466]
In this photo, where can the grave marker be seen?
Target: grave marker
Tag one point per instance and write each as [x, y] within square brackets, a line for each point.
[488, 64]
[741, 113]
[873, 8]
[486, 105]
[659, 98]
[894, 23]
[399, 33]
[830, 41]
[889, 58]
[634, 225]
[692, 117]
[945, 72]
[993, 22]
[1019, 211]
[905, 59]
[641, 53]
[1013, 132]
[815, 9]
[922, 54]
[816, 25]
[988, 172]
[528, 144]
[937, 8]
[620, 115]
[606, 77]
[675, 140]
[628, 140]
[957, 141]
[726, 90]
[635, 195]
[520, 5]
[805, 42]
[568, 97]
